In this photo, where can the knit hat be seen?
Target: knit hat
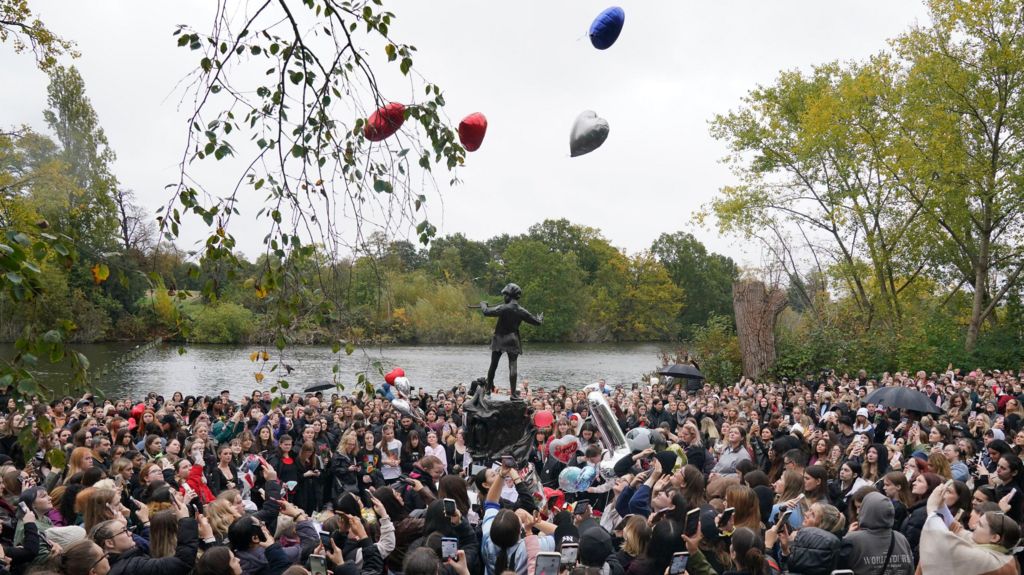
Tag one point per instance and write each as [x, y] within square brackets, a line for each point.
[595, 546]
[862, 412]
[65, 536]
[667, 459]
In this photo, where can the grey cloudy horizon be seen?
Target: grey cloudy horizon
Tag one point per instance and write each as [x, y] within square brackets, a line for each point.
[530, 69]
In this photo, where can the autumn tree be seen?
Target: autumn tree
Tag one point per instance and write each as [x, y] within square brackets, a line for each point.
[961, 112]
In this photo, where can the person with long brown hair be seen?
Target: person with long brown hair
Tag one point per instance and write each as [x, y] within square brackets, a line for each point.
[897, 489]
[747, 508]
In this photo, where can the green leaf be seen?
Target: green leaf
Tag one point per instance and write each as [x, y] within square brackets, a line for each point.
[56, 457]
[206, 64]
[406, 65]
[350, 348]
[14, 278]
[382, 186]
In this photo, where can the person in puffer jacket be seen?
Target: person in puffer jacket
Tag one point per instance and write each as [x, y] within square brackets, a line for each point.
[813, 551]
[815, 548]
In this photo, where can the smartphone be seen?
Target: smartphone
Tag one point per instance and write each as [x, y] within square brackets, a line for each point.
[508, 461]
[325, 538]
[24, 507]
[843, 572]
[449, 507]
[678, 565]
[548, 563]
[726, 516]
[581, 508]
[449, 548]
[692, 521]
[974, 414]
[784, 519]
[1013, 492]
[317, 565]
[570, 551]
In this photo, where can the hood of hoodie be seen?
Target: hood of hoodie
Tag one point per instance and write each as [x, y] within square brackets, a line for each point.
[876, 512]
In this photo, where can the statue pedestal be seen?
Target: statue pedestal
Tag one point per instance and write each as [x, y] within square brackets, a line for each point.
[496, 426]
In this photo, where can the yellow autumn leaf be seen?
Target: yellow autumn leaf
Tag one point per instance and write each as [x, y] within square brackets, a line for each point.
[265, 355]
[261, 293]
[259, 377]
[254, 356]
[100, 273]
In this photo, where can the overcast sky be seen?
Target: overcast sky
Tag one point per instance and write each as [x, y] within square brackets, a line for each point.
[530, 69]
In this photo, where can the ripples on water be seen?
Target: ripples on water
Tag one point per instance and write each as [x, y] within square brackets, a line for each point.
[207, 369]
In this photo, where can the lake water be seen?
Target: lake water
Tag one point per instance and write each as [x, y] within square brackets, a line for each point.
[207, 369]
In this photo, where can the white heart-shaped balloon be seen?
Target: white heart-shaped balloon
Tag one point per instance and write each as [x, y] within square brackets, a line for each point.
[588, 133]
[402, 385]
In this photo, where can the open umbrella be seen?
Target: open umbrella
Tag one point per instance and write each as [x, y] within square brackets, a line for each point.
[902, 398]
[682, 371]
[320, 387]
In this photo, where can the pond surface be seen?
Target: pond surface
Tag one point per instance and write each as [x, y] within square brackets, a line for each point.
[207, 369]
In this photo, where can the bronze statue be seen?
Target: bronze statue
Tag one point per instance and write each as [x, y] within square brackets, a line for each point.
[506, 333]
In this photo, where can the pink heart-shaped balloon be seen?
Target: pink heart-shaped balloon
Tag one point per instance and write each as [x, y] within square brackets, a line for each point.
[564, 448]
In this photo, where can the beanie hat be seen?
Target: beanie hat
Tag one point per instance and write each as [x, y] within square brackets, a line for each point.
[667, 459]
[595, 546]
[65, 536]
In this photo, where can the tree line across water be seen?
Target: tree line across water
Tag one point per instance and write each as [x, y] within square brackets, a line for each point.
[888, 204]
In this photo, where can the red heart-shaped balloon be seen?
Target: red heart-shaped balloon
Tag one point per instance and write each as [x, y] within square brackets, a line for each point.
[564, 448]
[384, 122]
[394, 374]
[471, 131]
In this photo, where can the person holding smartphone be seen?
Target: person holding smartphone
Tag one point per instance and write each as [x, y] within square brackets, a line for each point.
[504, 546]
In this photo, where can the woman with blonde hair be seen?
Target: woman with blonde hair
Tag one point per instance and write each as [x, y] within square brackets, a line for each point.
[221, 513]
[80, 460]
[636, 534]
[98, 505]
[163, 534]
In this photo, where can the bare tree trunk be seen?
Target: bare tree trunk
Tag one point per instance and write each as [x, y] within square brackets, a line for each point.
[756, 309]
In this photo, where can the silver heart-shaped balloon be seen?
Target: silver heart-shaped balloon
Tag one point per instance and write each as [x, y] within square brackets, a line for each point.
[588, 133]
[402, 385]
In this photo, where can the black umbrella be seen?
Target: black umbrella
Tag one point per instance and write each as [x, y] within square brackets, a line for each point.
[902, 398]
[682, 371]
[320, 387]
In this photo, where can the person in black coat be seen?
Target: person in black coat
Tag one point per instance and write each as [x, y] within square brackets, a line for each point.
[813, 551]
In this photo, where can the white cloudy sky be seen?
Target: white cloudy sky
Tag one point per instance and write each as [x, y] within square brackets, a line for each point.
[529, 67]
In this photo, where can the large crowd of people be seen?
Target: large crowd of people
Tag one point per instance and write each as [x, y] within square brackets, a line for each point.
[755, 478]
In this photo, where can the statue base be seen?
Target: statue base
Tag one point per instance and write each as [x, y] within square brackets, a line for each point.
[496, 426]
